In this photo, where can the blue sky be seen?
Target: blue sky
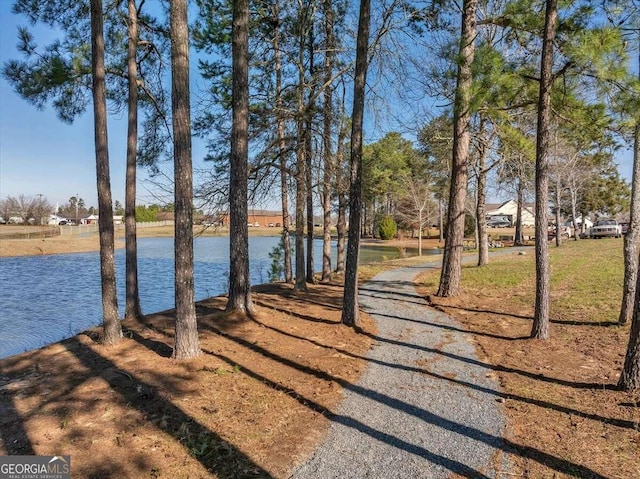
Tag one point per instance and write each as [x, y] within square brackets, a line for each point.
[39, 154]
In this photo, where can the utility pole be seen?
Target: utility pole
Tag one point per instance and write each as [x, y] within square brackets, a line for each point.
[40, 209]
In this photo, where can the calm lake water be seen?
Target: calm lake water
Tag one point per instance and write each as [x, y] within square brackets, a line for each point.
[48, 298]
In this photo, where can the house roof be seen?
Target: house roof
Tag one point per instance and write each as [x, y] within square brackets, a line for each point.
[264, 213]
[165, 216]
[491, 206]
[495, 208]
[256, 213]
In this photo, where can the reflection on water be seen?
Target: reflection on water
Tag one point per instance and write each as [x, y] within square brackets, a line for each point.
[48, 298]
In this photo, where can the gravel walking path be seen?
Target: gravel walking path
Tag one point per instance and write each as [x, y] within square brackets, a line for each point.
[424, 407]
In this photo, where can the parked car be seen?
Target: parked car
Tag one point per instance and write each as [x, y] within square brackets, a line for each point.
[606, 228]
[565, 231]
[625, 227]
[498, 224]
[587, 222]
[586, 234]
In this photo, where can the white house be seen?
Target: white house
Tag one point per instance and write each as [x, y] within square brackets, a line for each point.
[55, 219]
[588, 223]
[93, 219]
[89, 220]
[509, 210]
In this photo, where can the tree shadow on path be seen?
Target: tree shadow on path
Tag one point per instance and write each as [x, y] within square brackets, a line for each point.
[559, 464]
[174, 419]
[13, 432]
[537, 402]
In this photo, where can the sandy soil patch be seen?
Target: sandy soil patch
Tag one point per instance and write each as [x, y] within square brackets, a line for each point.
[45, 246]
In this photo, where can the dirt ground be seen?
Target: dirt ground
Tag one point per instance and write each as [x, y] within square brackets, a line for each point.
[252, 405]
[55, 245]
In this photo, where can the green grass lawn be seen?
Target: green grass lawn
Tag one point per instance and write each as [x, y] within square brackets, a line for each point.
[586, 279]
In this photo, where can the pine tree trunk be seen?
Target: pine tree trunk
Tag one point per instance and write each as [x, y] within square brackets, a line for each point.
[559, 229]
[365, 221]
[350, 299]
[186, 327]
[239, 279]
[630, 376]
[574, 213]
[112, 331]
[286, 222]
[342, 198]
[632, 238]
[309, 110]
[301, 165]
[519, 236]
[310, 278]
[326, 138]
[420, 232]
[300, 280]
[342, 232]
[452, 260]
[483, 240]
[440, 221]
[284, 189]
[132, 308]
[540, 327]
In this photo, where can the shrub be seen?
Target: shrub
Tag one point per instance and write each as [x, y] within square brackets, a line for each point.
[146, 214]
[469, 226]
[277, 262]
[387, 228]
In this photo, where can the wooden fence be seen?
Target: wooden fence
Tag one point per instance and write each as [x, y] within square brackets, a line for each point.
[29, 232]
[36, 232]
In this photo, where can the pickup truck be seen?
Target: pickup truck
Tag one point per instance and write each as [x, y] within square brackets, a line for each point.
[606, 228]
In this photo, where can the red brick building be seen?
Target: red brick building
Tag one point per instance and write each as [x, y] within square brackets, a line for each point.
[257, 219]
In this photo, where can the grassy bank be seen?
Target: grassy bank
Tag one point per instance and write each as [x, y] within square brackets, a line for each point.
[560, 395]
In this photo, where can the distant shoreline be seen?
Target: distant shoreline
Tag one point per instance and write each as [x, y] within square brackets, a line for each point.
[83, 244]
